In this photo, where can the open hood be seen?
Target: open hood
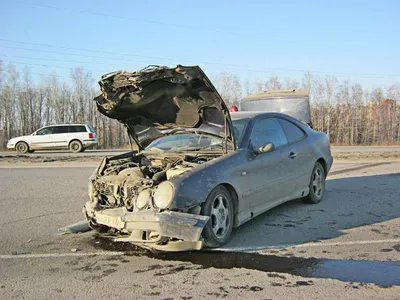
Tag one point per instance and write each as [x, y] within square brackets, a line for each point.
[159, 101]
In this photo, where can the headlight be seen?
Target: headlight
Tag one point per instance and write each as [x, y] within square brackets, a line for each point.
[90, 190]
[164, 194]
[143, 199]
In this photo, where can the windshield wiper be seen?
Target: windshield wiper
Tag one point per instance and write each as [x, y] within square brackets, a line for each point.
[210, 147]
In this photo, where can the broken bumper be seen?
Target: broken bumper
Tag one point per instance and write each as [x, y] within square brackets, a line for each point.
[168, 230]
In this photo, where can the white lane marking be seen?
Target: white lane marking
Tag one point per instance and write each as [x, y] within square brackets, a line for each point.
[58, 255]
[244, 249]
[319, 244]
[41, 166]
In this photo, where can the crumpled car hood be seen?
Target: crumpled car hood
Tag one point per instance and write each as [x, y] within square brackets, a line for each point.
[158, 101]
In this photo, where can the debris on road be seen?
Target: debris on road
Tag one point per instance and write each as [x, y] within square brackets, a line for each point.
[81, 226]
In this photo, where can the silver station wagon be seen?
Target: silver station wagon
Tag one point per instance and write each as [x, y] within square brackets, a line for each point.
[75, 137]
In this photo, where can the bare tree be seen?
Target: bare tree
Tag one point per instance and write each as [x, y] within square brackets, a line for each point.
[290, 84]
[330, 83]
[273, 83]
[80, 97]
[230, 88]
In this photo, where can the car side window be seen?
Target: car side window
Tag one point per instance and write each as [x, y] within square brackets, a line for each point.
[60, 129]
[77, 128]
[268, 131]
[292, 131]
[44, 131]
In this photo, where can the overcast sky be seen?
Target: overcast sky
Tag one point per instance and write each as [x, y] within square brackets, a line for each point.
[355, 40]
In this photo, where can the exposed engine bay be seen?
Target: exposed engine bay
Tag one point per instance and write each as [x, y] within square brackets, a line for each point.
[131, 182]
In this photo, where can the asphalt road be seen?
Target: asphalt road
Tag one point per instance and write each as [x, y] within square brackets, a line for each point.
[116, 152]
[294, 251]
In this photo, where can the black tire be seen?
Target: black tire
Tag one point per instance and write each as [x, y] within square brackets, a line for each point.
[22, 147]
[317, 185]
[75, 146]
[219, 207]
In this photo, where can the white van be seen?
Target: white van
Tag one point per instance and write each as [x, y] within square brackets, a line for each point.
[75, 137]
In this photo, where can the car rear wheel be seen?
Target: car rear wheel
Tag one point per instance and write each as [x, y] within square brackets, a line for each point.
[21, 147]
[75, 146]
[219, 207]
[317, 185]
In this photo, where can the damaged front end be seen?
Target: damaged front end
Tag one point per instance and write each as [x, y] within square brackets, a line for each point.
[131, 198]
[178, 121]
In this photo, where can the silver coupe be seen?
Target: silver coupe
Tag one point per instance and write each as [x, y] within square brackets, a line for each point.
[198, 170]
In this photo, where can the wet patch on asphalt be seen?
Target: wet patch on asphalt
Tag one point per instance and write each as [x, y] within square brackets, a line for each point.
[383, 273]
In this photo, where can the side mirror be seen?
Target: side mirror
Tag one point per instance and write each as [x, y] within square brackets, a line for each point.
[263, 148]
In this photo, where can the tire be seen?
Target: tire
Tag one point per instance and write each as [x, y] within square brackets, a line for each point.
[21, 147]
[219, 207]
[75, 146]
[317, 185]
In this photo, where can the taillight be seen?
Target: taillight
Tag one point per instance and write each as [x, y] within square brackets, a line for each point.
[91, 135]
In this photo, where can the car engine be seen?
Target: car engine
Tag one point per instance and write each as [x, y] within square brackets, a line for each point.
[131, 181]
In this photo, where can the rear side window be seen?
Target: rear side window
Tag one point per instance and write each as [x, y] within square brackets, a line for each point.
[77, 128]
[60, 129]
[292, 131]
[90, 128]
[268, 131]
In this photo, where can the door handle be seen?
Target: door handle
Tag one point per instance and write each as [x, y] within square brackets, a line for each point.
[292, 155]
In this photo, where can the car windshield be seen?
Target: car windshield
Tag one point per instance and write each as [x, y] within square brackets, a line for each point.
[238, 128]
[186, 142]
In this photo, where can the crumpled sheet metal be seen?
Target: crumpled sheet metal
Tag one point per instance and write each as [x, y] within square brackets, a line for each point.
[184, 228]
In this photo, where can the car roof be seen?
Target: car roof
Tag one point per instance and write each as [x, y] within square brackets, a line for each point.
[65, 125]
[269, 95]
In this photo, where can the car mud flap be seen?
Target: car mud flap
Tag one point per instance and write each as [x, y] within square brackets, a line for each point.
[183, 226]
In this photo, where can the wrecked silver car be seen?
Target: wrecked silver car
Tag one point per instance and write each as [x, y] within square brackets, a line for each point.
[196, 174]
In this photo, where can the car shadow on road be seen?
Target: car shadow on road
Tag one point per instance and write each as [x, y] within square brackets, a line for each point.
[349, 202]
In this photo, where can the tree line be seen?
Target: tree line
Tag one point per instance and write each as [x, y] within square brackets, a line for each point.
[347, 112]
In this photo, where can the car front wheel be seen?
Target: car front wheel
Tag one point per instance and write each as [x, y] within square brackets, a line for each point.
[317, 185]
[21, 147]
[219, 207]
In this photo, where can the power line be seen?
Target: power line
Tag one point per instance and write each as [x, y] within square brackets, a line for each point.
[47, 75]
[122, 54]
[239, 67]
[47, 66]
[52, 59]
[136, 19]
[87, 50]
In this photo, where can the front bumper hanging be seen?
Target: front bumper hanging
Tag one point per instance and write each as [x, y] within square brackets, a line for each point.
[170, 230]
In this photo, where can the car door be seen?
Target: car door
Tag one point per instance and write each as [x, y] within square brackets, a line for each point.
[265, 174]
[60, 137]
[298, 155]
[77, 132]
[43, 138]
